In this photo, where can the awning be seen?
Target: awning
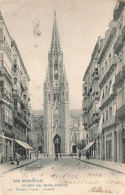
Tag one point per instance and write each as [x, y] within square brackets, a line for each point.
[25, 145]
[4, 137]
[88, 146]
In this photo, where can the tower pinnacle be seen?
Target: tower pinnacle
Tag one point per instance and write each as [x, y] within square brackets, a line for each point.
[55, 42]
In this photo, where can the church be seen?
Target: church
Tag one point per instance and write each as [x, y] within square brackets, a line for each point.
[56, 100]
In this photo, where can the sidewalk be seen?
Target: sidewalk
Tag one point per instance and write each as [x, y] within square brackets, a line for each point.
[106, 164]
[4, 168]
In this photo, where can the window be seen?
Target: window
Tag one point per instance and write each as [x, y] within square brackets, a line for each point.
[15, 102]
[15, 80]
[56, 76]
[110, 112]
[49, 97]
[110, 85]
[1, 84]
[54, 97]
[109, 57]
[105, 64]
[106, 90]
[55, 66]
[15, 68]
[106, 115]
[103, 118]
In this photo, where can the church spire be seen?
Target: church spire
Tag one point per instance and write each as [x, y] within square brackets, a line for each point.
[55, 42]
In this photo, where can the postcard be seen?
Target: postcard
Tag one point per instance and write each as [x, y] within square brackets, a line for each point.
[62, 97]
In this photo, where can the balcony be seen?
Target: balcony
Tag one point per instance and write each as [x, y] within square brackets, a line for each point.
[110, 122]
[112, 65]
[7, 120]
[4, 72]
[107, 99]
[120, 113]
[118, 9]
[96, 118]
[107, 43]
[119, 78]
[22, 86]
[123, 34]
[20, 116]
[123, 70]
[118, 45]
[5, 95]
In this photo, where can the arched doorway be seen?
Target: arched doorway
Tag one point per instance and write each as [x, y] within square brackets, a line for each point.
[74, 149]
[57, 143]
[40, 149]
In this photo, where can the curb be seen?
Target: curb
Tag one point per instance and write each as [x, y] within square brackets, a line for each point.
[101, 166]
[18, 167]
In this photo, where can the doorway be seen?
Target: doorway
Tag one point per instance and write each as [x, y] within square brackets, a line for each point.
[57, 143]
[74, 149]
[40, 149]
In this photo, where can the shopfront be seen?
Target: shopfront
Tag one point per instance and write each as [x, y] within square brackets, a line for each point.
[22, 148]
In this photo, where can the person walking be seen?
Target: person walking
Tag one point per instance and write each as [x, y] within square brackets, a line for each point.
[18, 158]
[56, 156]
[79, 155]
[87, 154]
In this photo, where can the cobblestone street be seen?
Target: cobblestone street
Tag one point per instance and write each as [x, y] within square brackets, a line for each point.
[67, 175]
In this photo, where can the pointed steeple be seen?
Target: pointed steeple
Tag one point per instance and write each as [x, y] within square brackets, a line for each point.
[55, 42]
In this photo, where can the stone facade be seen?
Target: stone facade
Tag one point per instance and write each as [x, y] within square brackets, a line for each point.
[15, 109]
[109, 135]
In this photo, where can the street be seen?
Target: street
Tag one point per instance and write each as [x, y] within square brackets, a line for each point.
[68, 175]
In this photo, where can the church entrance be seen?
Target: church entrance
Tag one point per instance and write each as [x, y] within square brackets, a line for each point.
[40, 149]
[74, 149]
[57, 143]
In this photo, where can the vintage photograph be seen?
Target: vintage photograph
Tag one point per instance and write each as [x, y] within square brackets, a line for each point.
[62, 97]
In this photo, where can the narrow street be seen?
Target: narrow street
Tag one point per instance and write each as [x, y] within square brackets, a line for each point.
[67, 175]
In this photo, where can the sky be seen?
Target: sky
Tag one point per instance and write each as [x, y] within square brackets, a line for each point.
[80, 23]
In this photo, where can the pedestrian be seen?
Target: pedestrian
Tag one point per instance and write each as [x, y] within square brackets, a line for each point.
[79, 155]
[37, 156]
[30, 155]
[71, 155]
[17, 158]
[2, 160]
[60, 155]
[87, 154]
[56, 156]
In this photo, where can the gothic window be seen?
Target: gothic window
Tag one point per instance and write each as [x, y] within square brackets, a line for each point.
[58, 97]
[56, 76]
[55, 66]
[54, 97]
[49, 97]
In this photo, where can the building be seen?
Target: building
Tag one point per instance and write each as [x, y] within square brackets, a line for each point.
[21, 103]
[6, 98]
[36, 136]
[77, 131]
[90, 104]
[112, 61]
[15, 108]
[110, 127]
[56, 100]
